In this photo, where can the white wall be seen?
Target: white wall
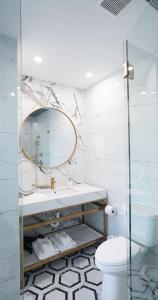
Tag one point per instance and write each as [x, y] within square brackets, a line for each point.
[106, 144]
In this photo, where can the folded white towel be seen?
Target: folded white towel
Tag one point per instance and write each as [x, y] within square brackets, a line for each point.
[63, 241]
[44, 248]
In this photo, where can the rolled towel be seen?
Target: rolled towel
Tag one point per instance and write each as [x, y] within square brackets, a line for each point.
[63, 241]
[44, 248]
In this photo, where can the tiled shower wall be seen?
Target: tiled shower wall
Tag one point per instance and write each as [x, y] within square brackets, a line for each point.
[9, 213]
[144, 127]
[106, 145]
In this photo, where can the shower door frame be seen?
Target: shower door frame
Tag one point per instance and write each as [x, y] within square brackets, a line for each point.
[127, 77]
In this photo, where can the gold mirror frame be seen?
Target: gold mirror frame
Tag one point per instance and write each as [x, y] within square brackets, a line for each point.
[29, 158]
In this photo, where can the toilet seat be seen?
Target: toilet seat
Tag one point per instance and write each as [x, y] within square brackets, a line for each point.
[113, 254]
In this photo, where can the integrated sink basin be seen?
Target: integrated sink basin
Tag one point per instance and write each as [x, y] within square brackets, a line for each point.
[45, 199]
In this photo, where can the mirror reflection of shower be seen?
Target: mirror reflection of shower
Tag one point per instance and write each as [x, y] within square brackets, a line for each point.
[43, 134]
[38, 155]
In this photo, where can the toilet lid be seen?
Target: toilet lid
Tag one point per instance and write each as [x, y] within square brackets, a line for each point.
[116, 251]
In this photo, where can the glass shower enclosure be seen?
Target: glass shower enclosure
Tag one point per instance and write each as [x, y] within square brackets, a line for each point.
[9, 206]
[141, 56]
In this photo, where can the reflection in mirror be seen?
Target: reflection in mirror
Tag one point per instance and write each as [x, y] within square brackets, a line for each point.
[27, 177]
[48, 137]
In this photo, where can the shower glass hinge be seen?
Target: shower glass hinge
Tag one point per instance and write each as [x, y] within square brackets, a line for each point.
[128, 70]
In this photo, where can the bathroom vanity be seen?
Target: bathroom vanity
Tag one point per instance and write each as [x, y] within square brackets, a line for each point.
[77, 210]
[83, 199]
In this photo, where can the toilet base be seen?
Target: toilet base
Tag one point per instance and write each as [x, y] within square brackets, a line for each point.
[114, 287]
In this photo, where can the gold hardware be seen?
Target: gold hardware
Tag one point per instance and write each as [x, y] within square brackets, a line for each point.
[53, 184]
[128, 71]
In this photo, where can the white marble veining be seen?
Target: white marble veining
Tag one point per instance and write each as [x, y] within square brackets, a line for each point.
[99, 116]
[144, 128]
[106, 144]
[41, 93]
[46, 199]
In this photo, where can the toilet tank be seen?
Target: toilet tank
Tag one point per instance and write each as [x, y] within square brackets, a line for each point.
[144, 225]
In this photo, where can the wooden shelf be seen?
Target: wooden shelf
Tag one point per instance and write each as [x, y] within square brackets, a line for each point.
[75, 215]
[82, 234]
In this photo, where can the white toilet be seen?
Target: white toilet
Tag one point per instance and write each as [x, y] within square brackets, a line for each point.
[112, 256]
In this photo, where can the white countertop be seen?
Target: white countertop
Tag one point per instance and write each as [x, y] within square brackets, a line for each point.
[45, 199]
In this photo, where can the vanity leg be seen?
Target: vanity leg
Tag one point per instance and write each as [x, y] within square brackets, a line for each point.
[105, 224]
[21, 256]
[83, 210]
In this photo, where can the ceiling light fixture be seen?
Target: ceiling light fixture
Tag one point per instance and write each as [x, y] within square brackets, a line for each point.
[143, 93]
[12, 94]
[38, 59]
[116, 83]
[89, 74]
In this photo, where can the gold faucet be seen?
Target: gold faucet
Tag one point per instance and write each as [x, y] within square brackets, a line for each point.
[53, 184]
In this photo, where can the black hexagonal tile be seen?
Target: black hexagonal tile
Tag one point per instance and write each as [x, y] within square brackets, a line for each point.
[28, 294]
[80, 262]
[93, 276]
[55, 294]
[43, 280]
[59, 264]
[85, 292]
[69, 278]
[26, 279]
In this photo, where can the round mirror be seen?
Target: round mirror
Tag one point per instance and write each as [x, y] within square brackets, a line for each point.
[48, 137]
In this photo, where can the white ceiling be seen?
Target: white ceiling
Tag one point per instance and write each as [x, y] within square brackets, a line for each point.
[10, 18]
[72, 36]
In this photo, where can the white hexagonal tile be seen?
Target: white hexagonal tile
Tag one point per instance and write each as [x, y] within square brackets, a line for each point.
[59, 264]
[138, 284]
[89, 250]
[85, 293]
[138, 298]
[69, 278]
[29, 295]
[152, 273]
[43, 280]
[93, 276]
[81, 262]
[56, 294]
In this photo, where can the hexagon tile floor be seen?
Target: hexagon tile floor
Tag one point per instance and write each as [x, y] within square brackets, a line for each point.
[76, 277]
[144, 278]
[72, 277]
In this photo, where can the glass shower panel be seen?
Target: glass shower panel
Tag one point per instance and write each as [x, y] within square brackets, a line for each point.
[142, 99]
[9, 206]
[143, 109]
[9, 213]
